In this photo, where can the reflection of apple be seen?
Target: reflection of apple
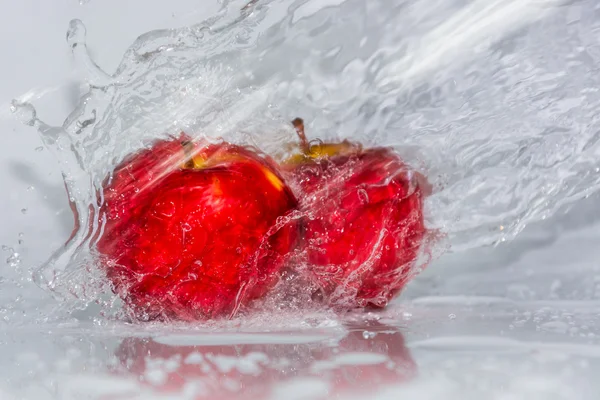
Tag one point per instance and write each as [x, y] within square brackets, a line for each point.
[370, 356]
[189, 230]
[364, 219]
[239, 371]
[359, 362]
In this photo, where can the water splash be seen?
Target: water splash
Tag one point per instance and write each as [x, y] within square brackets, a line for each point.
[504, 125]
[14, 258]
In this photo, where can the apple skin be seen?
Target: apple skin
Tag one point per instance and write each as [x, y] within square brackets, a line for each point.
[190, 230]
[252, 371]
[363, 223]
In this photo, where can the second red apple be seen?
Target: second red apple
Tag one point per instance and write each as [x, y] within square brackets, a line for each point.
[363, 220]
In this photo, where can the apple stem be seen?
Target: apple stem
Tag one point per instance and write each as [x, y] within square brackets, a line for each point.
[299, 125]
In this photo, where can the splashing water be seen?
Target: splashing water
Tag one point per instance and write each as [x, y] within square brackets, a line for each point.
[463, 90]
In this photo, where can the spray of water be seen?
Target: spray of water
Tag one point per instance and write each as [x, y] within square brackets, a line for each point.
[464, 91]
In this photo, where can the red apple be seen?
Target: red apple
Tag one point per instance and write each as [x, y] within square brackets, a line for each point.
[358, 363]
[192, 231]
[363, 224]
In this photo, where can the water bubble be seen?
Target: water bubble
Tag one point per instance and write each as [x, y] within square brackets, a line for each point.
[369, 335]
[24, 112]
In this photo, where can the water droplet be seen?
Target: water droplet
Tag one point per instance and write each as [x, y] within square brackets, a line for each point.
[165, 209]
[84, 122]
[76, 33]
[24, 112]
[39, 148]
[363, 196]
[186, 227]
[23, 210]
[369, 335]
[14, 259]
[30, 188]
[452, 316]
[238, 250]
